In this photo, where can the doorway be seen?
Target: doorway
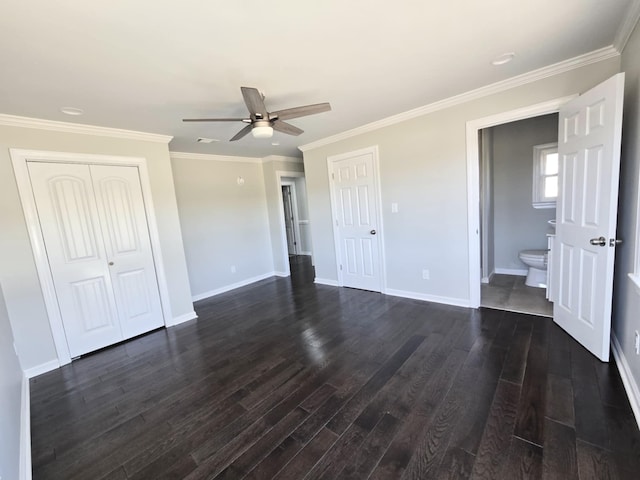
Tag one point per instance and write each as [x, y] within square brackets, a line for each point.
[107, 187]
[515, 223]
[290, 213]
[357, 219]
[293, 216]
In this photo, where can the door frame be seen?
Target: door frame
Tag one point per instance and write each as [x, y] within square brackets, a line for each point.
[283, 231]
[473, 180]
[294, 210]
[377, 190]
[19, 159]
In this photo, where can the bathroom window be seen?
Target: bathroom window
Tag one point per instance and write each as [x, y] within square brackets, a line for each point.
[545, 175]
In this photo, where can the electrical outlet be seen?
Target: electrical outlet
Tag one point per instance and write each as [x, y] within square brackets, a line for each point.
[233, 269]
[425, 274]
[637, 343]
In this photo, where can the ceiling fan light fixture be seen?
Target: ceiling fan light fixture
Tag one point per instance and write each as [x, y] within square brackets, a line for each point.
[260, 131]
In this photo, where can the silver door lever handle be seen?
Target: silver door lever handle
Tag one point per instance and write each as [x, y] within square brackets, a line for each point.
[598, 242]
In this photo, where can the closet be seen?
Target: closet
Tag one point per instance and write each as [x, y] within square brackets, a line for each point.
[95, 232]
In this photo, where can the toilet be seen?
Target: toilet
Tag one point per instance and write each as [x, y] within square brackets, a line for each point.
[536, 260]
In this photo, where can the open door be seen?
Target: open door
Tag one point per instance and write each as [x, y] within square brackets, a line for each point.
[590, 132]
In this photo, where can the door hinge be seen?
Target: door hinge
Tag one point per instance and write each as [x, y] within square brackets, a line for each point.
[333, 176]
[340, 267]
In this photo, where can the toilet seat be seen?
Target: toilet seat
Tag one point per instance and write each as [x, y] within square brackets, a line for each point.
[533, 253]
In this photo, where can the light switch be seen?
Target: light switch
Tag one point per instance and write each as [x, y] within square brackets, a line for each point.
[394, 208]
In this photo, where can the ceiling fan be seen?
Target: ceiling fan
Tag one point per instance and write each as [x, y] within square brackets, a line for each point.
[261, 123]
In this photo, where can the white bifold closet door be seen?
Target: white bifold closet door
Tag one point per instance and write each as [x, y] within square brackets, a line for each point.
[95, 232]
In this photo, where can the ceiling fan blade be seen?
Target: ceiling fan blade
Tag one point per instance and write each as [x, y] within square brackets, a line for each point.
[255, 102]
[213, 119]
[241, 133]
[296, 112]
[287, 128]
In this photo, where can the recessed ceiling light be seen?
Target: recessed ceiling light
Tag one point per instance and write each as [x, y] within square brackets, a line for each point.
[503, 59]
[206, 140]
[275, 144]
[72, 111]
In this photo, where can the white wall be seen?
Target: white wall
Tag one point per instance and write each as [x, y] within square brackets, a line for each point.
[18, 275]
[271, 166]
[517, 225]
[10, 399]
[223, 224]
[626, 307]
[423, 169]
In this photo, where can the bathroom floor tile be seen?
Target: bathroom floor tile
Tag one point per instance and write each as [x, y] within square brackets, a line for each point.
[508, 292]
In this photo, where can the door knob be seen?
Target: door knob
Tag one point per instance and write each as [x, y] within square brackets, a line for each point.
[598, 242]
[111, 264]
[372, 232]
[614, 241]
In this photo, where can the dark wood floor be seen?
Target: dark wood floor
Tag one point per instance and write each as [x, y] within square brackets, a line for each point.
[286, 379]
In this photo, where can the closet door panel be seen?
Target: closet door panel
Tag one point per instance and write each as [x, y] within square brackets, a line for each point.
[123, 218]
[73, 240]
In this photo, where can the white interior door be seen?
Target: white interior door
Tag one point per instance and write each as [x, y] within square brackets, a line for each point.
[95, 232]
[289, 220]
[357, 221]
[126, 237]
[589, 150]
[68, 215]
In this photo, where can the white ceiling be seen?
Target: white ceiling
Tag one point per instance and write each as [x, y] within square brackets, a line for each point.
[146, 64]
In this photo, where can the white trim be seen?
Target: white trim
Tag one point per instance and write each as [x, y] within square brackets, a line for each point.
[626, 28]
[473, 180]
[326, 281]
[629, 382]
[635, 280]
[42, 368]
[233, 286]
[67, 127]
[25, 431]
[519, 80]
[210, 157]
[282, 274]
[283, 232]
[185, 317]
[303, 222]
[305, 253]
[281, 158]
[520, 272]
[373, 151]
[456, 302]
[489, 278]
[19, 159]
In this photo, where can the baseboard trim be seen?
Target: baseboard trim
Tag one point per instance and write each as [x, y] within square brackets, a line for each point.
[456, 302]
[326, 281]
[25, 430]
[512, 271]
[42, 368]
[182, 318]
[630, 385]
[233, 286]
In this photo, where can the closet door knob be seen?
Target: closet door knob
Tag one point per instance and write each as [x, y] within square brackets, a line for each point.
[110, 264]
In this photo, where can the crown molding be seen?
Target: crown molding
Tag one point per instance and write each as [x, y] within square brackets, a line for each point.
[497, 87]
[66, 127]
[281, 158]
[626, 27]
[211, 157]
